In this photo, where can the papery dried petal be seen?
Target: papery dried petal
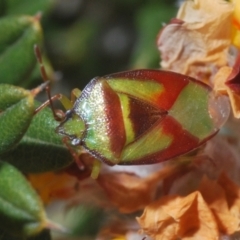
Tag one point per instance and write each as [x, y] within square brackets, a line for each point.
[220, 155]
[235, 103]
[223, 84]
[174, 217]
[199, 44]
[89, 193]
[232, 192]
[121, 229]
[129, 192]
[52, 185]
[217, 156]
[220, 79]
[216, 198]
[187, 183]
[233, 80]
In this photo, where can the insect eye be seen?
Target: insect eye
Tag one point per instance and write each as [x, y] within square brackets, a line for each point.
[68, 115]
[76, 141]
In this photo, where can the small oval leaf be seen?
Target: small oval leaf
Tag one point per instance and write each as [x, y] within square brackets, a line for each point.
[14, 122]
[41, 149]
[18, 36]
[10, 95]
[21, 210]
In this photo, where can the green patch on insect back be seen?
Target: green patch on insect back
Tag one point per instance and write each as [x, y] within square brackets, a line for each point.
[191, 110]
[153, 141]
[144, 90]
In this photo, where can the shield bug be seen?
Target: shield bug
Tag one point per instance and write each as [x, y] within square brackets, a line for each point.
[143, 116]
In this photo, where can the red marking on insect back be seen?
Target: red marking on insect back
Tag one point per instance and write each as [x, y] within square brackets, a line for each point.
[183, 142]
[173, 84]
[115, 128]
[171, 91]
[143, 116]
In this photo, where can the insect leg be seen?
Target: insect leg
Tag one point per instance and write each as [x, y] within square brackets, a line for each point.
[93, 165]
[67, 104]
[96, 169]
[58, 114]
[74, 154]
[75, 94]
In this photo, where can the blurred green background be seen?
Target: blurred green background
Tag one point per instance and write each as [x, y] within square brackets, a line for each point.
[88, 38]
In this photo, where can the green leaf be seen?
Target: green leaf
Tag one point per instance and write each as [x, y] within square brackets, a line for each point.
[35, 76]
[43, 235]
[86, 220]
[21, 210]
[2, 7]
[73, 45]
[43, 127]
[14, 122]
[28, 6]
[149, 21]
[18, 36]
[10, 95]
[41, 149]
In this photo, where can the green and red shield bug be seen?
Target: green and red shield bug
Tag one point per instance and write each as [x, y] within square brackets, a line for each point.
[143, 116]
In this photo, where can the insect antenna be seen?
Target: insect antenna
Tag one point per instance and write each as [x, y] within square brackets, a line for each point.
[58, 114]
